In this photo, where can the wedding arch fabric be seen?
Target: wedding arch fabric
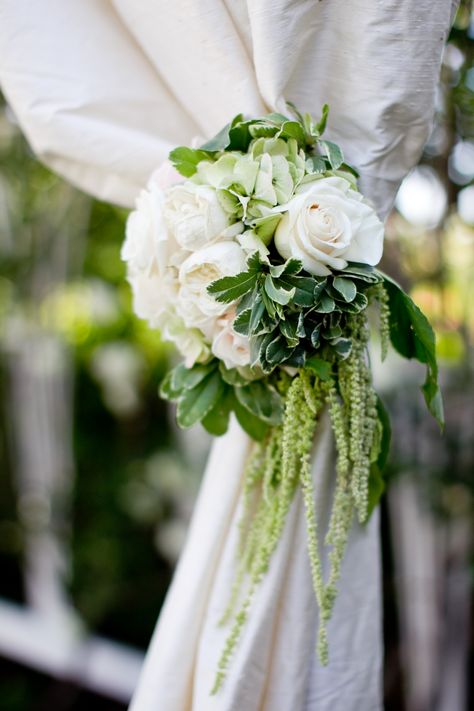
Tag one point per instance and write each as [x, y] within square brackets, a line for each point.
[103, 89]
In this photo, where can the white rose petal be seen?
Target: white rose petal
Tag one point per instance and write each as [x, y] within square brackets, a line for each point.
[229, 346]
[326, 224]
[201, 268]
[189, 341]
[194, 215]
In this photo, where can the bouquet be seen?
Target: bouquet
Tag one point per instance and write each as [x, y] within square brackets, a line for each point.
[258, 260]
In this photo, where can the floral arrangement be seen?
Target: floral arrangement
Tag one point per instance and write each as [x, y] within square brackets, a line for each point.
[255, 254]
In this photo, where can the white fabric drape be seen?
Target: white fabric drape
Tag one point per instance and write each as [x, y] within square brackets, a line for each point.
[103, 89]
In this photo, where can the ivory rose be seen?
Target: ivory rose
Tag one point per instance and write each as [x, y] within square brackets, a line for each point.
[229, 346]
[196, 306]
[328, 224]
[194, 216]
[148, 244]
[189, 341]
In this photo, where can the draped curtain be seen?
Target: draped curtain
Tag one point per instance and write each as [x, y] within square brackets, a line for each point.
[103, 89]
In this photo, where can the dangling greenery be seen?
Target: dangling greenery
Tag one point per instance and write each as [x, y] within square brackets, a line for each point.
[281, 464]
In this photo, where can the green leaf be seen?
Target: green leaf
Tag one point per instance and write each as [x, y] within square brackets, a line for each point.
[290, 267]
[412, 336]
[231, 288]
[231, 376]
[345, 287]
[216, 421]
[167, 391]
[362, 271]
[186, 378]
[315, 334]
[278, 293]
[197, 402]
[242, 322]
[304, 288]
[358, 304]
[239, 136]
[278, 351]
[342, 346]
[322, 368]
[253, 426]
[297, 358]
[293, 129]
[256, 315]
[334, 154]
[317, 164]
[255, 263]
[262, 401]
[186, 160]
[289, 329]
[326, 304]
[321, 125]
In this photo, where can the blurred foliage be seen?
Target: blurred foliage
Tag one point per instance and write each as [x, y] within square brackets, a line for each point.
[62, 276]
[430, 245]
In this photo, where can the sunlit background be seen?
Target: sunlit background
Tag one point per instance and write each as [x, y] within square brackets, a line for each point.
[97, 485]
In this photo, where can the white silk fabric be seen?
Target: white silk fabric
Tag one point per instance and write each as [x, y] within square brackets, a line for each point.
[103, 89]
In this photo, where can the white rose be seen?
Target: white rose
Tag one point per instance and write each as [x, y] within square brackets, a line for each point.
[189, 341]
[195, 305]
[229, 346]
[153, 293]
[147, 245]
[327, 224]
[195, 217]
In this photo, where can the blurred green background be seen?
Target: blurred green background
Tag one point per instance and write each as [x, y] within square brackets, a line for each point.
[107, 513]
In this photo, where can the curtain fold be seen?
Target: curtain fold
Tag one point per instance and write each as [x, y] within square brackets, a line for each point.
[103, 89]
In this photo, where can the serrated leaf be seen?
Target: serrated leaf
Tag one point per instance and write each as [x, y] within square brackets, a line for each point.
[255, 263]
[186, 160]
[231, 288]
[345, 287]
[322, 368]
[197, 402]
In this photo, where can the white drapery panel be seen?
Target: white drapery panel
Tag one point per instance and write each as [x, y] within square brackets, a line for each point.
[103, 89]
